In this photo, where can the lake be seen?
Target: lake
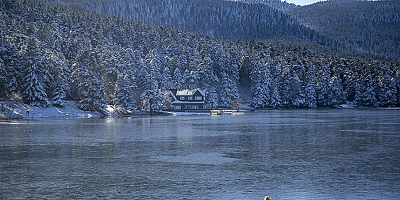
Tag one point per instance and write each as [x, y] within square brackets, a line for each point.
[284, 154]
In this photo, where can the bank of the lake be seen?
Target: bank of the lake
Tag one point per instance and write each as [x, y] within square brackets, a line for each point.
[69, 110]
[17, 110]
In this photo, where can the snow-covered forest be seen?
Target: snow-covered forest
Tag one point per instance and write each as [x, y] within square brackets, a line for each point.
[232, 20]
[50, 54]
[361, 26]
[365, 26]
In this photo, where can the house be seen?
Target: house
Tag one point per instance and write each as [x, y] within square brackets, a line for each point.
[187, 99]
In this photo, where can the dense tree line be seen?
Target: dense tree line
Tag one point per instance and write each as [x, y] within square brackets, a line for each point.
[50, 54]
[233, 20]
[277, 4]
[366, 26]
[369, 28]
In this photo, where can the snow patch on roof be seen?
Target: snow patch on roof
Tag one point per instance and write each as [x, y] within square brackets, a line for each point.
[188, 92]
[187, 102]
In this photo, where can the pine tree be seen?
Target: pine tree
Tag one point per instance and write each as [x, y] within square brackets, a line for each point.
[32, 90]
[336, 95]
[297, 86]
[275, 99]
[369, 97]
[178, 79]
[261, 85]
[125, 89]
[3, 77]
[155, 62]
[166, 79]
[152, 100]
[387, 93]
[60, 83]
[111, 63]
[212, 98]
[142, 75]
[358, 93]
[284, 81]
[310, 93]
[88, 81]
[322, 87]
[35, 75]
[228, 90]
[6, 71]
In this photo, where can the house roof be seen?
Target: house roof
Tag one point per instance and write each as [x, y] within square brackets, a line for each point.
[188, 92]
[187, 102]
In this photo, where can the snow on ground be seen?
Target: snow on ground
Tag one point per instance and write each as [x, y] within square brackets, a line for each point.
[22, 111]
[348, 104]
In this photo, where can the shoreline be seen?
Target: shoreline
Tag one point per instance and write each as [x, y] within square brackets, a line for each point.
[10, 110]
[18, 111]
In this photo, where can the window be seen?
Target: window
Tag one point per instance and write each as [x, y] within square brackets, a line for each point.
[190, 98]
[177, 107]
[198, 98]
[181, 98]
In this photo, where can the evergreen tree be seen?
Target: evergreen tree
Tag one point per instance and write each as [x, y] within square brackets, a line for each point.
[323, 87]
[32, 90]
[336, 94]
[369, 96]
[261, 89]
[3, 77]
[112, 63]
[125, 89]
[310, 93]
[179, 79]
[88, 81]
[35, 75]
[152, 100]
[297, 85]
[9, 73]
[60, 83]
[212, 98]
[166, 79]
[228, 89]
[387, 93]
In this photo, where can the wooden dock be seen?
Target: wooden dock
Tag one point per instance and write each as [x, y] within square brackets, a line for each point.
[225, 112]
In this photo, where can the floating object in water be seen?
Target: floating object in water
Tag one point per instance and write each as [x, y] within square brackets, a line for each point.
[267, 198]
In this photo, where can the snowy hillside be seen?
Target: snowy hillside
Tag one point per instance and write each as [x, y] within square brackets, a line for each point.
[277, 4]
[54, 54]
[238, 20]
[365, 26]
[360, 26]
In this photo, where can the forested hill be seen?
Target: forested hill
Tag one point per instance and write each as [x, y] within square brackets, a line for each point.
[365, 26]
[233, 20]
[49, 54]
[277, 4]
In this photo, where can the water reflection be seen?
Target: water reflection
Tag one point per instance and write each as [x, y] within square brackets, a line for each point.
[286, 154]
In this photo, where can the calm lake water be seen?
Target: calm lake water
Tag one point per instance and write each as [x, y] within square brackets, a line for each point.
[285, 154]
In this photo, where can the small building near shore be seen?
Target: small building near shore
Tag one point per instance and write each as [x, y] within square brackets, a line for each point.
[188, 99]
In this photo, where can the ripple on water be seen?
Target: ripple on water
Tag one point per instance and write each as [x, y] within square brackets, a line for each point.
[197, 159]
